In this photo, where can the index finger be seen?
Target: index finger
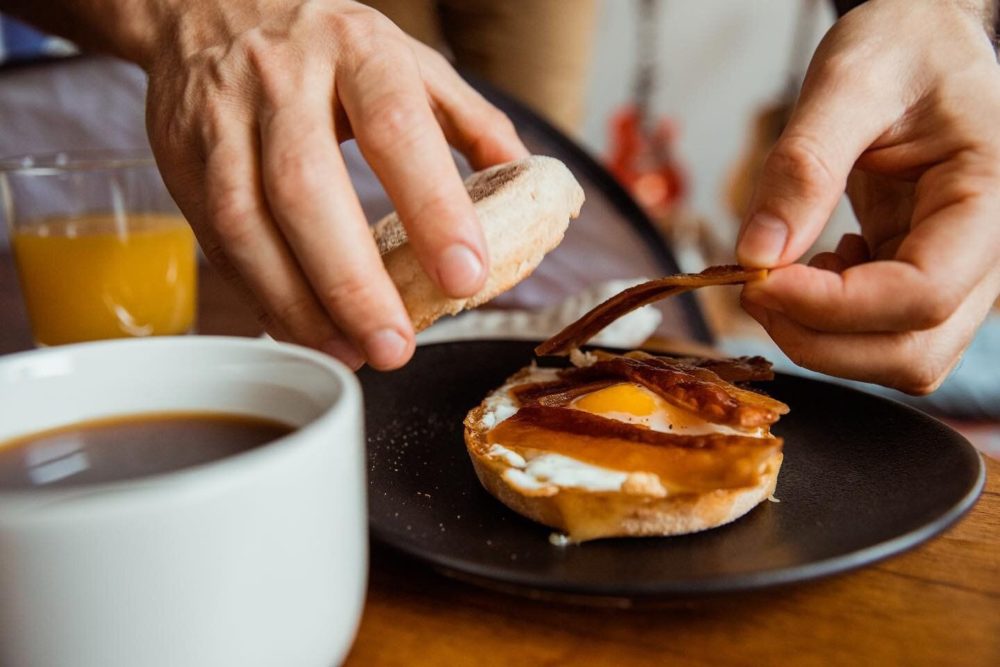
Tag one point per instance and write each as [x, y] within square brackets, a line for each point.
[837, 117]
[314, 205]
[940, 261]
[401, 140]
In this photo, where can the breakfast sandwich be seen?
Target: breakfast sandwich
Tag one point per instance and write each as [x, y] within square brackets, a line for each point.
[629, 444]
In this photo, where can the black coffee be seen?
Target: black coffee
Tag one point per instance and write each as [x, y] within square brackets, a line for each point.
[122, 448]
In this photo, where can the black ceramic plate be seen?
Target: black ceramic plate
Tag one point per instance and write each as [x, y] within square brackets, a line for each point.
[863, 478]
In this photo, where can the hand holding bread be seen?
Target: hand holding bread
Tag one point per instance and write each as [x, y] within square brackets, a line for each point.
[248, 104]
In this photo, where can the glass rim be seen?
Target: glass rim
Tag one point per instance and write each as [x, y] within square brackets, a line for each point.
[61, 162]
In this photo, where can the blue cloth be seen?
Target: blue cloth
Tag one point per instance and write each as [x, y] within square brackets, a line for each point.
[20, 43]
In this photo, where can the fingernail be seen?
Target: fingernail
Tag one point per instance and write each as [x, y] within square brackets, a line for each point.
[460, 271]
[345, 351]
[762, 241]
[385, 348]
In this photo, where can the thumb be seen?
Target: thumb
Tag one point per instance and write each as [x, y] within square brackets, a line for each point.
[835, 120]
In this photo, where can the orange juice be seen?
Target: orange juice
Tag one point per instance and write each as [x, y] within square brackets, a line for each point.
[98, 276]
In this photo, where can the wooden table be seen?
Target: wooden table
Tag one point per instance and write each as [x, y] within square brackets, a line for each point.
[937, 605]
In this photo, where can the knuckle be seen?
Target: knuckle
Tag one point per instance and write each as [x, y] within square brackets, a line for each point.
[255, 47]
[291, 311]
[393, 121]
[347, 293]
[935, 308]
[496, 122]
[292, 175]
[920, 387]
[217, 64]
[797, 159]
[970, 180]
[841, 67]
[218, 258]
[923, 363]
[299, 316]
[230, 215]
[433, 57]
[958, 101]
[275, 70]
[834, 67]
[358, 28]
[216, 117]
[922, 379]
[436, 206]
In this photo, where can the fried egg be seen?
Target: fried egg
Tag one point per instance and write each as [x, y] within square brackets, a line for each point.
[625, 401]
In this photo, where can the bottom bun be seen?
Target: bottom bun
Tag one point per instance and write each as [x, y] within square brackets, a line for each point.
[587, 515]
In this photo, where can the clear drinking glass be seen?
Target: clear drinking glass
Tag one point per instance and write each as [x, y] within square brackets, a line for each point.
[100, 247]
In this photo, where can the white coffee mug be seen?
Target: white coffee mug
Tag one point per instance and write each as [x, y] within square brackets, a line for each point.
[259, 558]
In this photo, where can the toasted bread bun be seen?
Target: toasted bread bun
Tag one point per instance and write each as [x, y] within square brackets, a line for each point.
[633, 504]
[524, 208]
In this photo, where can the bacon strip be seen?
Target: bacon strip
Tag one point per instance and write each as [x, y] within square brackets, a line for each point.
[557, 392]
[692, 388]
[737, 369]
[579, 422]
[745, 396]
[585, 328]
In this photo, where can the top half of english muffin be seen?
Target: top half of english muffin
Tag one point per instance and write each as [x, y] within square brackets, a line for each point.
[524, 208]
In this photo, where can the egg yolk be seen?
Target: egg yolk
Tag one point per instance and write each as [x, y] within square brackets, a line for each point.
[633, 403]
[628, 398]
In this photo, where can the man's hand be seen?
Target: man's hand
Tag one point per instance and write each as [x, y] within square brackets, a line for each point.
[900, 106]
[247, 105]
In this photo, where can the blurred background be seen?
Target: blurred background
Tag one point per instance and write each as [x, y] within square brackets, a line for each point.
[719, 66]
